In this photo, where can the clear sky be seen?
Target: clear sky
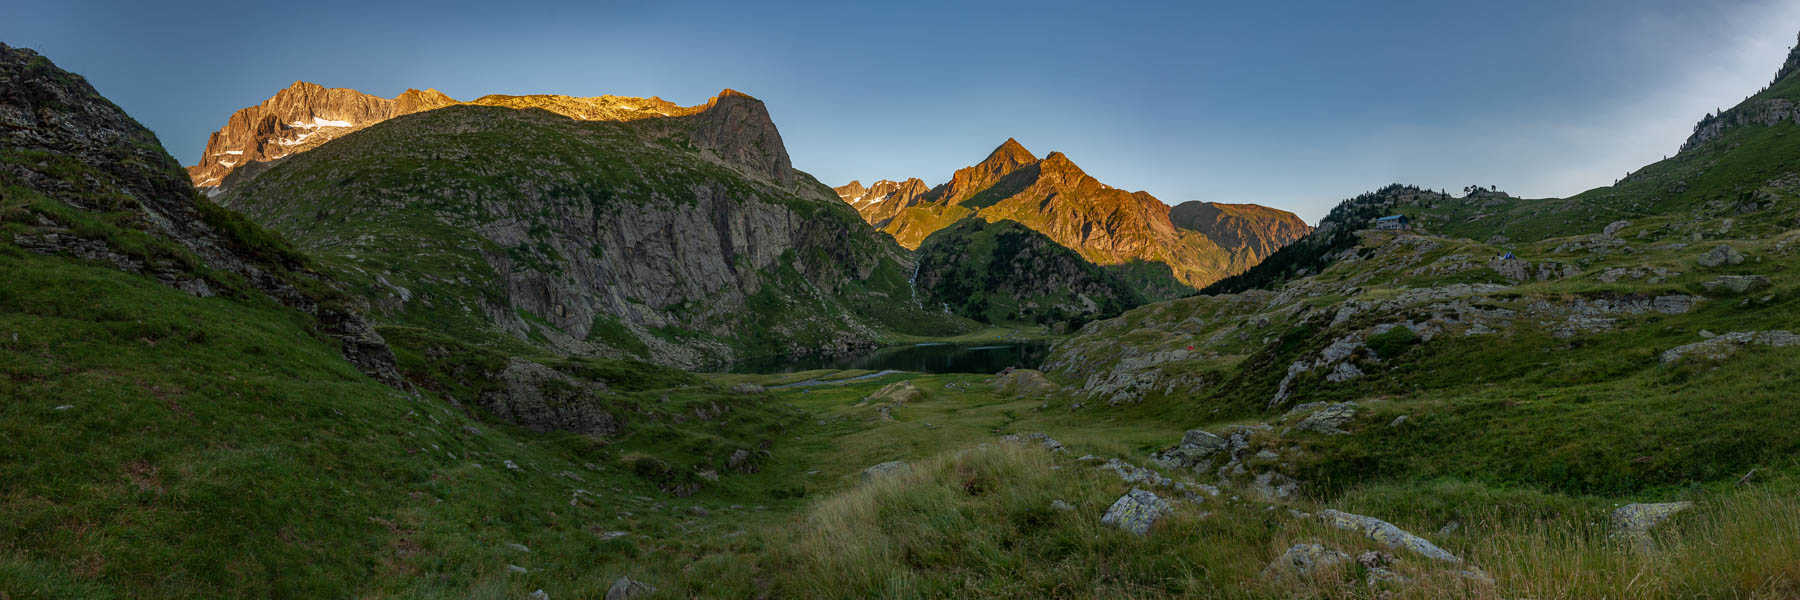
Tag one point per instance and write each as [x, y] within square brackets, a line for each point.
[1292, 104]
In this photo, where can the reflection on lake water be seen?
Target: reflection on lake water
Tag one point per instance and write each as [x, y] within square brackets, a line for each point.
[924, 358]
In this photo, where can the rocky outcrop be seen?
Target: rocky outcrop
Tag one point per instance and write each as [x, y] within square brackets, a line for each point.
[1760, 110]
[1387, 534]
[1329, 420]
[1724, 346]
[542, 399]
[1633, 522]
[1106, 225]
[886, 469]
[626, 588]
[1302, 562]
[1720, 256]
[1136, 511]
[89, 155]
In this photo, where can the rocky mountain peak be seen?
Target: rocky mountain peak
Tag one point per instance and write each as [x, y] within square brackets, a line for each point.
[1010, 155]
[852, 191]
[413, 100]
[298, 118]
[738, 129]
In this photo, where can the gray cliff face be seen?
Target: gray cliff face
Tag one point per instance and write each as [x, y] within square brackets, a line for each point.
[709, 257]
[1767, 113]
[62, 124]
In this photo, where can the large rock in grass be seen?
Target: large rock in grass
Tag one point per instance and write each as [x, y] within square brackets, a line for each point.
[1387, 534]
[1303, 561]
[1737, 284]
[1634, 521]
[1195, 451]
[626, 589]
[1720, 256]
[1026, 383]
[1329, 420]
[897, 393]
[1136, 511]
[892, 467]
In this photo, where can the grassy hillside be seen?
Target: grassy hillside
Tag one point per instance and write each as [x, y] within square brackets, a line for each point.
[616, 239]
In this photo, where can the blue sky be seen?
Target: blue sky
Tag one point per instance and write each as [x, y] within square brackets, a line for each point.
[1292, 104]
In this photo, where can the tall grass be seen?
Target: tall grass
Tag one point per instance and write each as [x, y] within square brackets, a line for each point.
[978, 523]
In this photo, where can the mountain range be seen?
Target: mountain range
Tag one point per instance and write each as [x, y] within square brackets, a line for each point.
[1171, 250]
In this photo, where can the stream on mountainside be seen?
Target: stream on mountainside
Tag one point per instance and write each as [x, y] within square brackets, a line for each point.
[990, 357]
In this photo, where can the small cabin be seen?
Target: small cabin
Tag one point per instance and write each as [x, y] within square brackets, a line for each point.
[1392, 222]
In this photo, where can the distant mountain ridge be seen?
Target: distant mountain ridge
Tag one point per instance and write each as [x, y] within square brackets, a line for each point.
[304, 116]
[299, 118]
[1106, 225]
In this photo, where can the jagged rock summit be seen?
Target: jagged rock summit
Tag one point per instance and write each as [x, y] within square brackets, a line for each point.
[296, 119]
[1108, 226]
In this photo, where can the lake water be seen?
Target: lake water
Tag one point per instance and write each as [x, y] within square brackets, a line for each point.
[923, 358]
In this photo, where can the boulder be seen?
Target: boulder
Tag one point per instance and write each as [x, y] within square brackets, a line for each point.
[1737, 284]
[1675, 304]
[740, 461]
[1134, 474]
[1329, 420]
[1058, 504]
[1612, 229]
[899, 392]
[625, 588]
[1026, 383]
[1303, 561]
[1721, 255]
[1275, 486]
[1195, 451]
[1634, 521]
[892, 467]
[1387, 534]
[1048, 442]
[747, 388]
[1136, 511]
